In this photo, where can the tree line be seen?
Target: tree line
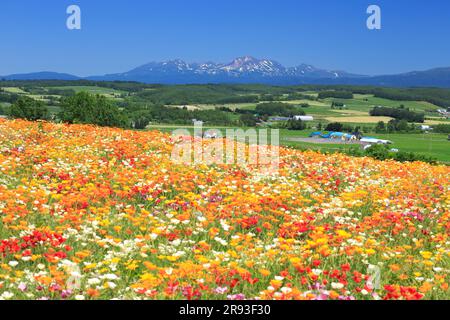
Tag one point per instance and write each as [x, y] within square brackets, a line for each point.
[86, 108]
[242, 93]
[401, 113]
[335, 94]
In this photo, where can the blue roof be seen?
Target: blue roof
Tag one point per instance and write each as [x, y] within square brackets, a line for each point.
[326, 135]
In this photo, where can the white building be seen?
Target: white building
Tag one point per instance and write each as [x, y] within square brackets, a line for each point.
[304, 118]
[375, 141]
[197, 122]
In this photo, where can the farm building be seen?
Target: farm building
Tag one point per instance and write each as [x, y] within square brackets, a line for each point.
[375, 140]
[347, 137]
[197, 122]
[444, 113]
[343, 136]
[333, 135]
[304, 118]
[315, 134]
[279, 118]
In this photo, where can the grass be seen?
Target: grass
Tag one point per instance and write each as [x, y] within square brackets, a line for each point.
[110, 93]
[443, 121]
[367, 102]
[360, 105]
[311, 93]
[14, 90]
[434, 145]
[310, 102]
[357, 111]
[358, 119]
[42, 97]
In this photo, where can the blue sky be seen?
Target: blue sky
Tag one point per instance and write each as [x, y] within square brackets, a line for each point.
[118, 35]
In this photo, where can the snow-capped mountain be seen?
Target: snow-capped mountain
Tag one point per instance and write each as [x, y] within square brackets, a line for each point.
[245, 68]
[248, 69]
[306, 70]
[171, 66]
[250, 65]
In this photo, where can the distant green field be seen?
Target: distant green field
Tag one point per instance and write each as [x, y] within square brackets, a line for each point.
[315, 107]
[367, 102]
[311, 93]
[434, 145]
[357, 108]
[14, 90]
[112, 93]
[41, 97]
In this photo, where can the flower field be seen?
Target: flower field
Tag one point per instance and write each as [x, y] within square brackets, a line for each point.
[101, 213]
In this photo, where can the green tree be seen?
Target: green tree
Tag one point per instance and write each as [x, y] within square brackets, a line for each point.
[378, 151]
[319, 126]
[140, 119]
[335, 94]
[84, 107]
[442, 128]
[380, 127]
[296, 125]
[334, 126]
[29, 109]
[278, 109]
[402, 125]
[248, 120]
[392, 126]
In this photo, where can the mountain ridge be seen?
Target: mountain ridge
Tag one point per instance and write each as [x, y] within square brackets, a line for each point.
[247, 69]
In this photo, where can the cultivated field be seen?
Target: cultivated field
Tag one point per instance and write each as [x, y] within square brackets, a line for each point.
[357, 119]
[433, 145]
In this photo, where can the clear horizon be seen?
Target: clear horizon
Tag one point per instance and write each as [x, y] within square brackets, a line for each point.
[328, 34]
[219, 62]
